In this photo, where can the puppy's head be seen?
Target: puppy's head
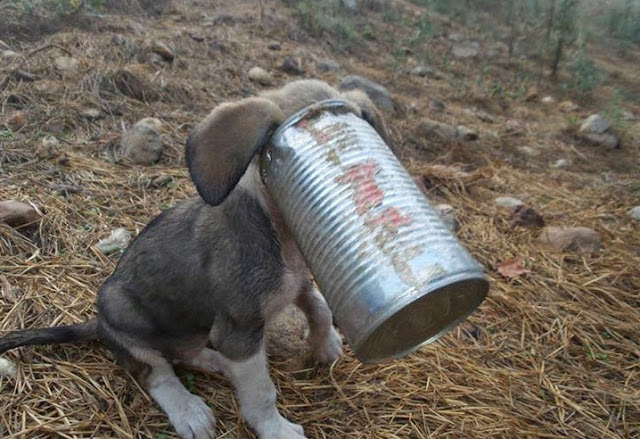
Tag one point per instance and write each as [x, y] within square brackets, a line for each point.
[222, 146]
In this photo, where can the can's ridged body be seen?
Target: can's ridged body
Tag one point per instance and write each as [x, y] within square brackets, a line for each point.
[394, 276]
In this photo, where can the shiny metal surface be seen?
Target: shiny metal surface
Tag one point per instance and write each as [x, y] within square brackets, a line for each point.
[394, 276]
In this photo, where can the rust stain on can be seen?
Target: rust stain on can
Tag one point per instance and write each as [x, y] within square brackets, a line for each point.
[367, 193]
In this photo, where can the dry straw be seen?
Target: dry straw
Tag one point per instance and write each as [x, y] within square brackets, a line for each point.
[553, 354]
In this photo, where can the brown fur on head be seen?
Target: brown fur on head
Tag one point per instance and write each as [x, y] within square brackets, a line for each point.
[222, 146]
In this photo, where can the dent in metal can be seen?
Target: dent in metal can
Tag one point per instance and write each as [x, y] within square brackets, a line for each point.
[393, 274]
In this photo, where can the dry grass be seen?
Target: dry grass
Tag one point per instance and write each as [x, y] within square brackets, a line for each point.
[553, 354]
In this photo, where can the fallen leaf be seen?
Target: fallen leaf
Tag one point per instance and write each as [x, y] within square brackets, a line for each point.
[512, 267]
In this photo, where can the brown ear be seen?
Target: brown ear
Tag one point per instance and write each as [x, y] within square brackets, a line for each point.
[221, 147]
[369, 112]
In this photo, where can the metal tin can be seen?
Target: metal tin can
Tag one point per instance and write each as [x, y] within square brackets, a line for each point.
[393, 274]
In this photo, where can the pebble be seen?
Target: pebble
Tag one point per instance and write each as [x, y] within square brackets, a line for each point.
[260, 76]
[18, 214]
[142, 144]
[508, 202]
[116, 242]
[580, 239]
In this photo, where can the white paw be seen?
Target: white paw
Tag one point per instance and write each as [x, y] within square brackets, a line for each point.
[193, 419]
[327, 349]
[280, 428]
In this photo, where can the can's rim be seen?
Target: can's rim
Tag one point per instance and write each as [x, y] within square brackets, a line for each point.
[480, 294]
[335, 105]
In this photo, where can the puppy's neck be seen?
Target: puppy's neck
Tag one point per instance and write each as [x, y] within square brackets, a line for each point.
[252, 183]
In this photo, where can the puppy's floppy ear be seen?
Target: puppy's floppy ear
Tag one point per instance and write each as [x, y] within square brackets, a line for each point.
[221, 147]
[369, 111]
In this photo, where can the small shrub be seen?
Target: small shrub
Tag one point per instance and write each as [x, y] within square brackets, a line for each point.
[586, 76]
[614, 112]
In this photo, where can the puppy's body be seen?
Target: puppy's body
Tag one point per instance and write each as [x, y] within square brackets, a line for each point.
[214, 271]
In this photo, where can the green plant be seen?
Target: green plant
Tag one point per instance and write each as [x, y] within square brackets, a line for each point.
[424, 29]
[613, 112]
[496, 88]
[586, 76]
[624, 24]
[321, 17]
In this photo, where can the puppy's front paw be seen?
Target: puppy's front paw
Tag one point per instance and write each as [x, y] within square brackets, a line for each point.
[327, 349]
[193, 419]
[280, 428]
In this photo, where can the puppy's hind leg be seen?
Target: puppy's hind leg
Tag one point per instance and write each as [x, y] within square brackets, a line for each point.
[257, 397]
[190, 416]
[325, 342]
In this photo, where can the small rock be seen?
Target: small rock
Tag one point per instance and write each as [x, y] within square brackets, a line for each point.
[467, 133]
[136, 28]
[142, 143]
[162, 49]
[513, 127]
[627, 116]
[548, 100]
[133, 84]
[376, 92]
[119, 40]
[492, 135]
[426, 71]
[291, 67]
[67, 65]
[48, 148]
[635, 213]
[594, 124]
[429, 128]
[525, 216]
[18, 214]
[528, 151]
[448, 216]
[568, 107]
[91, 113]
[327, 66]
[116, 242]
[468, 49]
[156, 60]
[161, 180]
[508, 202]
[7, 368]
[275, 46]
[532, 94]
[260, 76]
[286, 335]
[197, 37]
[580, 239]
[16, 120]
[8, 54]
[560, 164]
[606, 140]
[485, 117]
[437, 105]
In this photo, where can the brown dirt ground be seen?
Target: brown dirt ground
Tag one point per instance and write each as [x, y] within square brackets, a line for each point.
[551, 354]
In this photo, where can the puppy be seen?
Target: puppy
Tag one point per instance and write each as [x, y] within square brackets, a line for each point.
[201, 281]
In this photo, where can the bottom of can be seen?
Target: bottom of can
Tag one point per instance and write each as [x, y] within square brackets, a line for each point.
[423, 320]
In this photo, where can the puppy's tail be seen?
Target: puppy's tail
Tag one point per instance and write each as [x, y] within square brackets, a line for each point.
[59, 334]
